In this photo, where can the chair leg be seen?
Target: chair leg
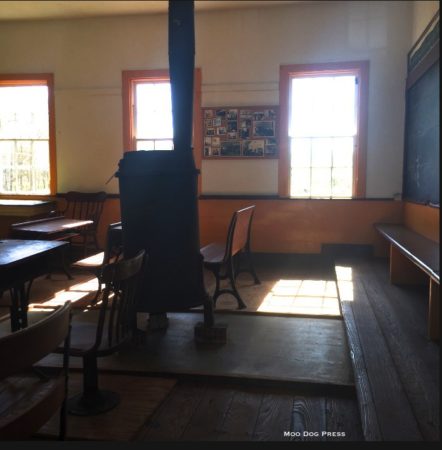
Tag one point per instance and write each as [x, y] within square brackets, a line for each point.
[235, 293]
[217, 292]
[92, 400]
[251, 268]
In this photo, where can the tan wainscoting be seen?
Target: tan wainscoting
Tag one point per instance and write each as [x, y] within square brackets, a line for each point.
[290, 226]
[422, 219]
[301, 226]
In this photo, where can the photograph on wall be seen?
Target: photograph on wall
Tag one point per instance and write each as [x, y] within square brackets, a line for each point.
[270, 147]
[230, 148]
[264, 128]
[253, 147]
[240, 132]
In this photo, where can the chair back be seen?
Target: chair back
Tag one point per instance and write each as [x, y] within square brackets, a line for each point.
[117, 315]
[23, 348]
[114, 243]
[85, 206]
[238, 236]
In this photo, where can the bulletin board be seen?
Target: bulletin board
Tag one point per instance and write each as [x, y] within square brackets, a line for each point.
[240, 132]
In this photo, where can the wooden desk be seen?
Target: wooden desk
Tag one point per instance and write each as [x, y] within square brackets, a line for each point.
[52, 228]
[13, 211]
[20, 262]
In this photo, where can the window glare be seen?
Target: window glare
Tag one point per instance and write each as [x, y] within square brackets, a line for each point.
[322, 131]
[153, 111]
[323, 106]
[24, 140]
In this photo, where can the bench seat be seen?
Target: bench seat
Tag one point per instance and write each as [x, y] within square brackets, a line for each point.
[414, 258]
[421, 251]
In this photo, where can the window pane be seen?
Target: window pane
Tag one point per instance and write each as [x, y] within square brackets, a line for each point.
[164, 145]
[300, 152]
[343, 152]
[153, 111]
[41, 155]
[145, 145]
[25, 167]
[343, 115]
[321, 152]
[323, 106]
[321, 183]
[24, 140]
[322, 127]
[342, 182]
[24, 112]
[300, 183]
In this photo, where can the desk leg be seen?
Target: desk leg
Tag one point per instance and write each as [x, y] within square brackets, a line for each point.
[24, 302]
[19, 306]
[62, 265]
[433, 311]
[403, 271]
[14, 310]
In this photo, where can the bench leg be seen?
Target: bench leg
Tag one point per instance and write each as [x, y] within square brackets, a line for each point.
[433, 311]
[404, 271]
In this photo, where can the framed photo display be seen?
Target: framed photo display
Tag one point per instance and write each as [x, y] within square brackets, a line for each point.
[240, 132]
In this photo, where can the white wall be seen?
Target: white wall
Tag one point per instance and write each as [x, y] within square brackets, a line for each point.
[239, 52]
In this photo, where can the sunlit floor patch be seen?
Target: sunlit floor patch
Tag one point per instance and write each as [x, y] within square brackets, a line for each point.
[77, 294]
[309, 297]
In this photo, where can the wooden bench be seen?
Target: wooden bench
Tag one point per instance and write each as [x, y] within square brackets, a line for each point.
[414, 259]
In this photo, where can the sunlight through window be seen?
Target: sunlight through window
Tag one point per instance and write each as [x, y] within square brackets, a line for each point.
[309, 297]
[322, 131]
[154, 124]
[24, 140]
[345, 283]
[73, 293]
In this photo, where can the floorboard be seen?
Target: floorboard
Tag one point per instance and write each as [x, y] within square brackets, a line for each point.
[214, 411]
[397, 393]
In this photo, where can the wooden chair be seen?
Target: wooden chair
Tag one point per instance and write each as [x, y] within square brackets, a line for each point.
[112, 252]
[220, 258]
[85, 206]
[93, 337]
[28, 397]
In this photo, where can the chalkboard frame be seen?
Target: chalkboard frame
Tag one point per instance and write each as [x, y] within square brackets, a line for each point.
[430, 56]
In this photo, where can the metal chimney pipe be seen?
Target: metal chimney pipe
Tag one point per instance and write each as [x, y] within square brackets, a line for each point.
[182, 66]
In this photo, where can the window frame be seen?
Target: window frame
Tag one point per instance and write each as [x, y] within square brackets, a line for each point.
[286, 74]
[130, 79]
[38, 79]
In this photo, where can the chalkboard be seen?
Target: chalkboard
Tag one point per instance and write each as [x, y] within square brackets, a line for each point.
[421, 157]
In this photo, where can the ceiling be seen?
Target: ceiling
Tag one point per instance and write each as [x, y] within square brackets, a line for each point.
[34, 10]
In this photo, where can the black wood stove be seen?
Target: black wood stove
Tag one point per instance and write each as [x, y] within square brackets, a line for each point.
[159, 199]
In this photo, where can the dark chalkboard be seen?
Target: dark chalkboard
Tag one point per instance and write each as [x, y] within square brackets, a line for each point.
[421, 158]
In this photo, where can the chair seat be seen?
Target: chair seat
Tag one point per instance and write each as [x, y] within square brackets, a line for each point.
[91, 262]
[213, 253]
[27, 395]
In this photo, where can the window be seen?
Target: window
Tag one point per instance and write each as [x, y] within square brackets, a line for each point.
[27, 143]
[323, 114]
[147, 109]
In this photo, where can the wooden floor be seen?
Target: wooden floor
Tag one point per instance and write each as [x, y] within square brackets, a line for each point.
[225, 412]
[400, 374]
